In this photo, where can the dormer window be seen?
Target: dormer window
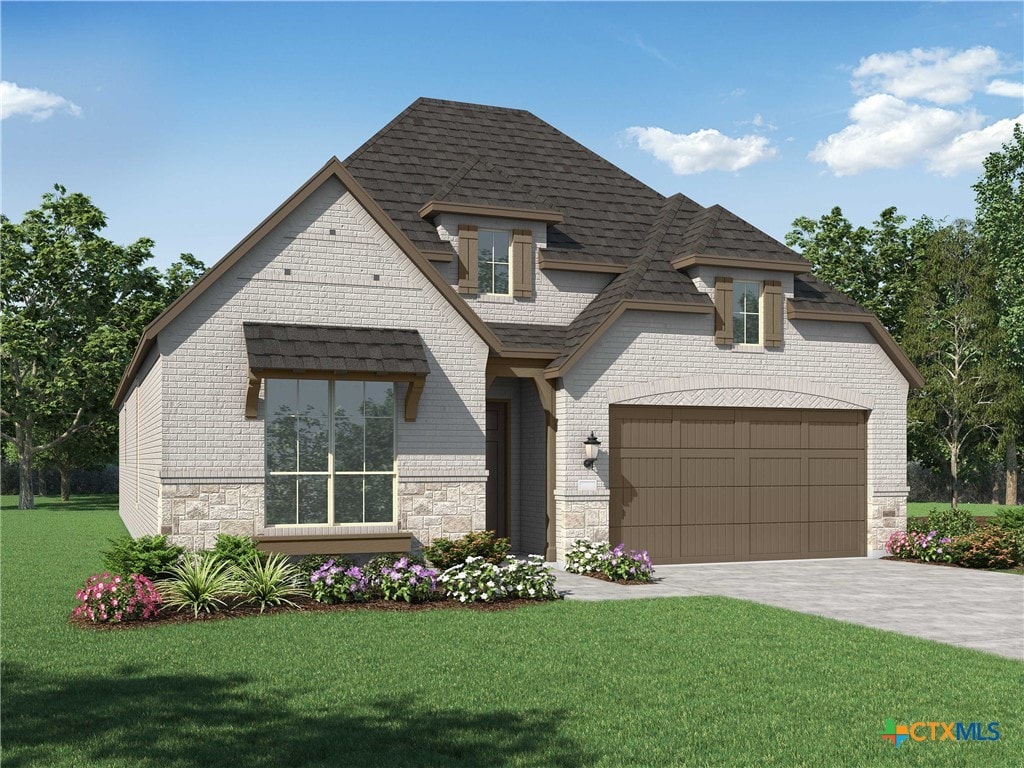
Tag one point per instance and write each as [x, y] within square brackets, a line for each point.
[746, 313]
[493, 261]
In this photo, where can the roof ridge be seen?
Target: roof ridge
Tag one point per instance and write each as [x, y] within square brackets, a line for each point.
[460, 173]
[652, 242]
[706, 228]
[475, 160]
[470, 104]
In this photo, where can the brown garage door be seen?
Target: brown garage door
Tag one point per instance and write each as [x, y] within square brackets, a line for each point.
[693, 485]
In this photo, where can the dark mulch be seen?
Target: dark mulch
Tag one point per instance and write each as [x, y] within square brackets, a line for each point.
[623, 582]
[303, 605]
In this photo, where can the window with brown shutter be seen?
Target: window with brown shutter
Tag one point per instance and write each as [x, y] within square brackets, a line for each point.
[723, 311]
[772, 313]
[522, 263]
[468, 239]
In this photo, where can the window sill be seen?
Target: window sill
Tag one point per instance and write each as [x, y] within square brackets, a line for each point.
[750, 349]
[336, 543]
[496, 298]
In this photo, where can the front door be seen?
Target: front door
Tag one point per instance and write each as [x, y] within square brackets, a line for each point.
[497, 467]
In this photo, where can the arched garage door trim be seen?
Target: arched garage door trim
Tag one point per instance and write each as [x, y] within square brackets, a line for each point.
[733, 391]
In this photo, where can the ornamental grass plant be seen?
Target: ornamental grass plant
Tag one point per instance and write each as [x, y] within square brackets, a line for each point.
[267, 581]
[201, 584]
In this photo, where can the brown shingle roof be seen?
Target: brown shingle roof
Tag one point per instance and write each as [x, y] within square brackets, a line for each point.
[649, 277]
[334, 348]
[515, 337]
[606, 210]
[480, 182]
[716, 231]
[813, 294]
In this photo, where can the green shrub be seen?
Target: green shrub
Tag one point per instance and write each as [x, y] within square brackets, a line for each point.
[269, 581]
[445, 553]
[1010, 519]
[950, 522]
[235, 550]
[200, 583]
[987, 547]
[310, 564]
[150, 556]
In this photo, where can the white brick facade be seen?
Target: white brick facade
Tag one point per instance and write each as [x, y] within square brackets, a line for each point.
[193, 464]
[671, 359]
[211, 456]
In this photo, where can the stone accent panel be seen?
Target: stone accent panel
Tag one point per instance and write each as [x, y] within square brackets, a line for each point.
[579, 517]
[886, 515]
[434, 509]
[196, 513]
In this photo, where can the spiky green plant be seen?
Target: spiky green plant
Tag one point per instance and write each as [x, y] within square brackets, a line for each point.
[270, 581]
[200, 583]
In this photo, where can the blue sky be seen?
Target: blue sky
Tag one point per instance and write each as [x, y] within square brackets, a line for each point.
[188, 123]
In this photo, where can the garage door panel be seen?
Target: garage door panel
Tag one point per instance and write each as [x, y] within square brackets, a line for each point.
[774, 504]
[706, 433]
[829, 434]
[737, 484]
[836, 539]
[647, 472]
[695, 472]
[766, 470]
[705, 506]
[777, 539]
[836, 502]
[836, 470]
[711, 542]
[776, 434]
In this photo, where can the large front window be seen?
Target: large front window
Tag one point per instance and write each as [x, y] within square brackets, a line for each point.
[330, 452]
[493, 262]
[746, 313]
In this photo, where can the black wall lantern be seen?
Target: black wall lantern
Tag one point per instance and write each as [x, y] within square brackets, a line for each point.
[590, 446]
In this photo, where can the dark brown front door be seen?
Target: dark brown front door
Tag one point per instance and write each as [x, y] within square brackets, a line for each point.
[497, 467]
[694, 485]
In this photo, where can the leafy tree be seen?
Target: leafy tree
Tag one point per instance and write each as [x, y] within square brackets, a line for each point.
[952, 335]
[73, 306]
[1000, 201]
[876, 267]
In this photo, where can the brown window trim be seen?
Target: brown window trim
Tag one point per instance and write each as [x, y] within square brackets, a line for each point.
[339, 543]
[416, 381]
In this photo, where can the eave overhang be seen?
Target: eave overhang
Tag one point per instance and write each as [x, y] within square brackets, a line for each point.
[435, 207]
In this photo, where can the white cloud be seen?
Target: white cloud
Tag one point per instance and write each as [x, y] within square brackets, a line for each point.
[703, 150]
[1006, 88]
[760, 122]
[968, 150]
[932, 74]
[887, 132]
[737, 92]
[37, 104]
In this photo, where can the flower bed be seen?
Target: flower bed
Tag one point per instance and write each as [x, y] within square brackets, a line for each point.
[996, 546]
[202, 586]
[600, 560]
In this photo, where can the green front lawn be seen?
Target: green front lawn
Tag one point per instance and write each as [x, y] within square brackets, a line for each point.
[923, 508]
[665, 682]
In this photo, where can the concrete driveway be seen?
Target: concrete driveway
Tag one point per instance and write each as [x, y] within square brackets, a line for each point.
[972, 609]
